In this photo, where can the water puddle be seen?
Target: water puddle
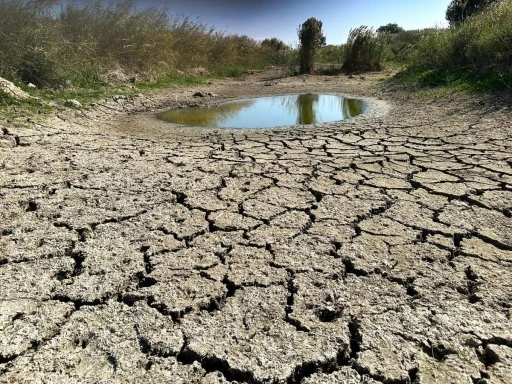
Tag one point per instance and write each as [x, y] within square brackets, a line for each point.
[267, 112]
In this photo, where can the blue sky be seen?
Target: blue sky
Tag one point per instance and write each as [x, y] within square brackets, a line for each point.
[281, 18]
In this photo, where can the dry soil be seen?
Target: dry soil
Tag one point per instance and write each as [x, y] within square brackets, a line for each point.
[374, 250]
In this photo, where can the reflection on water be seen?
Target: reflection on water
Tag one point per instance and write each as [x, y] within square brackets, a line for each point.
[208, 116]
[306, 108]
[266, 112]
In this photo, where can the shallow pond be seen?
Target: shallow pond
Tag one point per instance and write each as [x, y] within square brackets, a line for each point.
[267, 112]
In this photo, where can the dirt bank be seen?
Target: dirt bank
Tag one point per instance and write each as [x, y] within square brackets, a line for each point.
[377, 249]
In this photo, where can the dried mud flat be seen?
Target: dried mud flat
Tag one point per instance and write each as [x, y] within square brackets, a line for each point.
[375, 250]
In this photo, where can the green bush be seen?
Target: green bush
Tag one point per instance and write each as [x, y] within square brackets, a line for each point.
[276, 51]
[475, 56]
[364, 50]
[484, 41]
[398, 46]
[330, 54]
[91, 41]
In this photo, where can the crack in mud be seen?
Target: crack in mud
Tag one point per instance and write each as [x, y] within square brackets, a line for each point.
[227, 245]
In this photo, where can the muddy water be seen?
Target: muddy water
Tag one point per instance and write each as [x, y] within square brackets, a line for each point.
[267, 112]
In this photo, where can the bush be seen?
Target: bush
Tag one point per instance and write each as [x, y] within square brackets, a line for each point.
[90, 41]
[364, 50]
[330, 54]
[24, 29]
[399, 45]
[276, 51]
[484, 41]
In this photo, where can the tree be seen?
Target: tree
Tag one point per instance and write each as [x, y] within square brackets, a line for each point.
[274, 44]
[391, 28]
[311, 38]
[459, 10]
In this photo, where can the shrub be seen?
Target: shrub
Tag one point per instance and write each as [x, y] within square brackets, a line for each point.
[364, 50]
[330, 54]
[399, 45]
[88, 41]
[24, 31]
[276, 51]
[484, 41]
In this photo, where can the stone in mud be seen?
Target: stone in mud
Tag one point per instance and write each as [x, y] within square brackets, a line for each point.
[204, 94]
[73, 103]
[8, 88]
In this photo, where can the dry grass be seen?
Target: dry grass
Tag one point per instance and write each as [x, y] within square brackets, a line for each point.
[88, 40]
[483, 41]
[364, 50]
[474, 56]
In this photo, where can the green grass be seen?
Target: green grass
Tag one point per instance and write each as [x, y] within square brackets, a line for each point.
[83, 95]
[462, 80]
[393, 65]
[10, 107]
[40, 98]
[233, 70]
[474, 57]
[170, 80]
[5, 99]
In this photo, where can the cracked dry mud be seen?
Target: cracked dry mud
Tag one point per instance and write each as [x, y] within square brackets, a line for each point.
[375, 250]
